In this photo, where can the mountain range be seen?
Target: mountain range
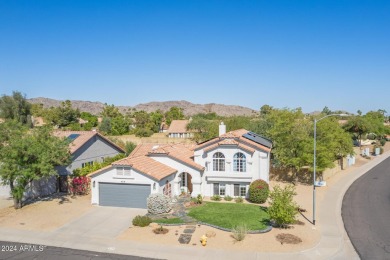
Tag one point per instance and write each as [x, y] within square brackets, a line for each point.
[189, 108]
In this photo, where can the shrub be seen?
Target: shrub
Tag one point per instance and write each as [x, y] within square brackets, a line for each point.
[160, 230]
[228, 198]
[283, 209]
[143, 132]
[158, 204]
[382, 142]
[239, 232]
[258, 191]
[239, 200]
[79, 185]
[141, 221]
[216, 198]
[199, 199]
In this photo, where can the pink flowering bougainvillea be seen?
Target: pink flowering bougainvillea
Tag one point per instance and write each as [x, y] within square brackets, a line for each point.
[79, 185]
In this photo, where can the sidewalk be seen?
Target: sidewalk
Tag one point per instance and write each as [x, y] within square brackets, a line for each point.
[334, 242]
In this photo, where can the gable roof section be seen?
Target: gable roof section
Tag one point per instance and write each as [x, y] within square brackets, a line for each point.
[82, 138]
[223, 143]
[141, 159]
[237, 136]
[180, 152]
[178, 126]
[147, 166]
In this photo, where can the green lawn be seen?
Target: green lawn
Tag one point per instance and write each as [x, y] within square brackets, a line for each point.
[229, 215]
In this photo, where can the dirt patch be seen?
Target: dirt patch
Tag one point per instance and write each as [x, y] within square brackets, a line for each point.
[160, 230]
[288, 239]
[47, 214]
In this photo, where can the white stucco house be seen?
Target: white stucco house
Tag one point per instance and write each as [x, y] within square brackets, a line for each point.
[225, 165]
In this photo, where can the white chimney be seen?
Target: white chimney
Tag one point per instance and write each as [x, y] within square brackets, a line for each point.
[222, 129]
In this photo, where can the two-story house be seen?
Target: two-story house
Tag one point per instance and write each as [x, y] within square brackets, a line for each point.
[224, 165]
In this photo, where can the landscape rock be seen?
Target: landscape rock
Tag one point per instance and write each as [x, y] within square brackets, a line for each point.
[210, 233]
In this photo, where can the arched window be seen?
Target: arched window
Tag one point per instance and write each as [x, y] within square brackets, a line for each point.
[218, 162]
[239, 162]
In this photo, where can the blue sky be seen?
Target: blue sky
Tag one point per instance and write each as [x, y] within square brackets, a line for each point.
[307, 54]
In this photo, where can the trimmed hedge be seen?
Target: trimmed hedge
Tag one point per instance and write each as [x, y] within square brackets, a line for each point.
[258, 191]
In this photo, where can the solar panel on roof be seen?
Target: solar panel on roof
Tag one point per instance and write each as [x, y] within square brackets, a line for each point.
[258, 139]
[73, 136]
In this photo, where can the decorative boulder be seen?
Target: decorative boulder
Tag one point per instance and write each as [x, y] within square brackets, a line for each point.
[158, 204]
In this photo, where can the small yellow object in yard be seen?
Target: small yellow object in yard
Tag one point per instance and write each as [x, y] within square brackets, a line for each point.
[203, 240]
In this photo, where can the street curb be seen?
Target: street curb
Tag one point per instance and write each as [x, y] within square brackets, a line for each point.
[344, 248]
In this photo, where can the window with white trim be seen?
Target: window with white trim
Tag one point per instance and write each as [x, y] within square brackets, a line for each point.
[220, 189]
[239, 162]
[239, 190]
[123, 171]
[86, 164]
[219, 162]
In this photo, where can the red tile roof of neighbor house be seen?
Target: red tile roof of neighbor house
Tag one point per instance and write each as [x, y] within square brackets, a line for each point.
[178, 126]
[237, 136]
[84, 136]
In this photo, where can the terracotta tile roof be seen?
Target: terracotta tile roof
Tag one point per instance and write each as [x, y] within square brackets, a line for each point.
[148, 166]
[237, 136]
[229, 142]
[178, 126]
[180, 152]
[84, 136]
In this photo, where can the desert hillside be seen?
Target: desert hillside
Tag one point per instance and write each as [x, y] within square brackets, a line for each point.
[189, 108]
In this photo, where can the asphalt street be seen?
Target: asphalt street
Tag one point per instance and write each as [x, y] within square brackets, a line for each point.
[366, 213]
[13, 251]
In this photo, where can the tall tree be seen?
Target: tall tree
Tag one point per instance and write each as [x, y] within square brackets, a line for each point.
[110, 111]
[203, 129]
[174, 113]
[63, 115]
[332, 143]
[15, 107]
[358, 126]
[326, 111]
[28, 155]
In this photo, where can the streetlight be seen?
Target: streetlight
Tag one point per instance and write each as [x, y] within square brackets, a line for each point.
[314, 163]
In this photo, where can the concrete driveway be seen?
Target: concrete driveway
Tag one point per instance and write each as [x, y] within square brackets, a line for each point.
[100, 222]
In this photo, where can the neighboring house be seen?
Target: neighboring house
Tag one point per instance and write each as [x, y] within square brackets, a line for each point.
[85, 147]
[178, 129]
[82, 122]
[163, 127]
[38, 121]
[223, 166]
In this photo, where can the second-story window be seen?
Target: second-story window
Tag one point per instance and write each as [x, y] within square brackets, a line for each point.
[218, 162]
[239, 162]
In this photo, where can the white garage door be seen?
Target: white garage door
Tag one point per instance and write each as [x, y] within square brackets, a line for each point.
[123, 195]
